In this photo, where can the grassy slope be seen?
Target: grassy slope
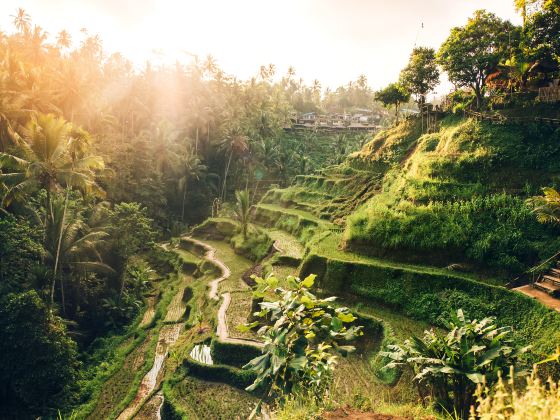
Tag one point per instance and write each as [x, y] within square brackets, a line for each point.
[120, 362]
[456, 196]
[465, 159]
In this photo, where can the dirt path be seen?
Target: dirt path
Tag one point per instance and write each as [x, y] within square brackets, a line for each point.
[210, 255]
[222, 330]
[167, 336]
[541, 296]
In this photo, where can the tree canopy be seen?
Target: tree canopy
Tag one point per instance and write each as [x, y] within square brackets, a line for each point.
[472, 52]
[421, 74]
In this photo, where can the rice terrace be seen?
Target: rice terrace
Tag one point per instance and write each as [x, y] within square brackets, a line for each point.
[190, 232]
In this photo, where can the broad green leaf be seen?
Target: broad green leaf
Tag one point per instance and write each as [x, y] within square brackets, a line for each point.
[336, 324]
[247, 327]
[298, 363]
[476, 377]
[309, 281]
[348, 317]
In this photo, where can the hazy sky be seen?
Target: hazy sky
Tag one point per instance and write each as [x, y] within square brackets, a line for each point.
[331, 40]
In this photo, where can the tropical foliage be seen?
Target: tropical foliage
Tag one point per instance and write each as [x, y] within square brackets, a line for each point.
[301, 333]
[449, 367]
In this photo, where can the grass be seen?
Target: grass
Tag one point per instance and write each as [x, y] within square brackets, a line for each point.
[236, 263]
[208, 400]
[282, 271]
[238, 314]
[288, 243]
[186, 256]
[177, 306]
[328, 246]
[293, 212]
[457, 195]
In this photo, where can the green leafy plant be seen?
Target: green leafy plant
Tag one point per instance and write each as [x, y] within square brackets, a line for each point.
[301, 334]
[547, 206]
[242, 210]
[449, 367]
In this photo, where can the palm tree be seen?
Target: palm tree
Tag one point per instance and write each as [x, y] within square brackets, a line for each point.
[164, 140]
[51, 155]
[22, 21]
[71, 245]
[547, 206]
[242, 210]
[517, 70]
[43, 159]
[190, 168]
[63, 40]
[235, 143]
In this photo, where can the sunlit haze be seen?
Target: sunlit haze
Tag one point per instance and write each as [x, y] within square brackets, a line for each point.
[330, 40]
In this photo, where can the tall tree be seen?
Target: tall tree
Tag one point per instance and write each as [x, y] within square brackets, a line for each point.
[39, 359]
[393, 95]
[421, 75]
[131, 231]
[71, 246]
[190, 168]
[22, 20]
[235, 143]
[51, 156]
[473, 51]
[42, 160]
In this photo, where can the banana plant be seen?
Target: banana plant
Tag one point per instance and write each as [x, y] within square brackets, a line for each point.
[451, 366]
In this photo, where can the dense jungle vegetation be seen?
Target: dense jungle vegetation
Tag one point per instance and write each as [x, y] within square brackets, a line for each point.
[170, 245]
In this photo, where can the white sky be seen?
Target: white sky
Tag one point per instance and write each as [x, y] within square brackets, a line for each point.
[331, 40]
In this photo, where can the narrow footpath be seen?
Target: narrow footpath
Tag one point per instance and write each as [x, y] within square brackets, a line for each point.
[222, 330]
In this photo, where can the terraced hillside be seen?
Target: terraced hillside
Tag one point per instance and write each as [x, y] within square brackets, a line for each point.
[205, 379]
[425, 224]
[309, 228]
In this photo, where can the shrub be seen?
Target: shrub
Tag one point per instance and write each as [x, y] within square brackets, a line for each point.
[451, 366]
[232, 353]
[301, 333]
[39, 361]
[254, 246]
[220, 373]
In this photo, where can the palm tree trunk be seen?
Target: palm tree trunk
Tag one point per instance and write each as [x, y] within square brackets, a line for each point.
[57, 257]
[223, 195]
[184, 199]
[255, 190]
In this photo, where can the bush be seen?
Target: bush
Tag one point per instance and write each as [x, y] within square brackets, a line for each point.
[450, 367]
[255, 246]
[20, 253]
[233, 354]
[39, 361]
[426, 295]
[220, 373]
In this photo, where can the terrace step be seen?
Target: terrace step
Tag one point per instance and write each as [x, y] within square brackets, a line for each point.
[552, 279]
[546, 287]
[556, 271]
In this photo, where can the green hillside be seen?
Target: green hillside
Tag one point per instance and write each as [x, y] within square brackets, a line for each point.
[430, 223]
